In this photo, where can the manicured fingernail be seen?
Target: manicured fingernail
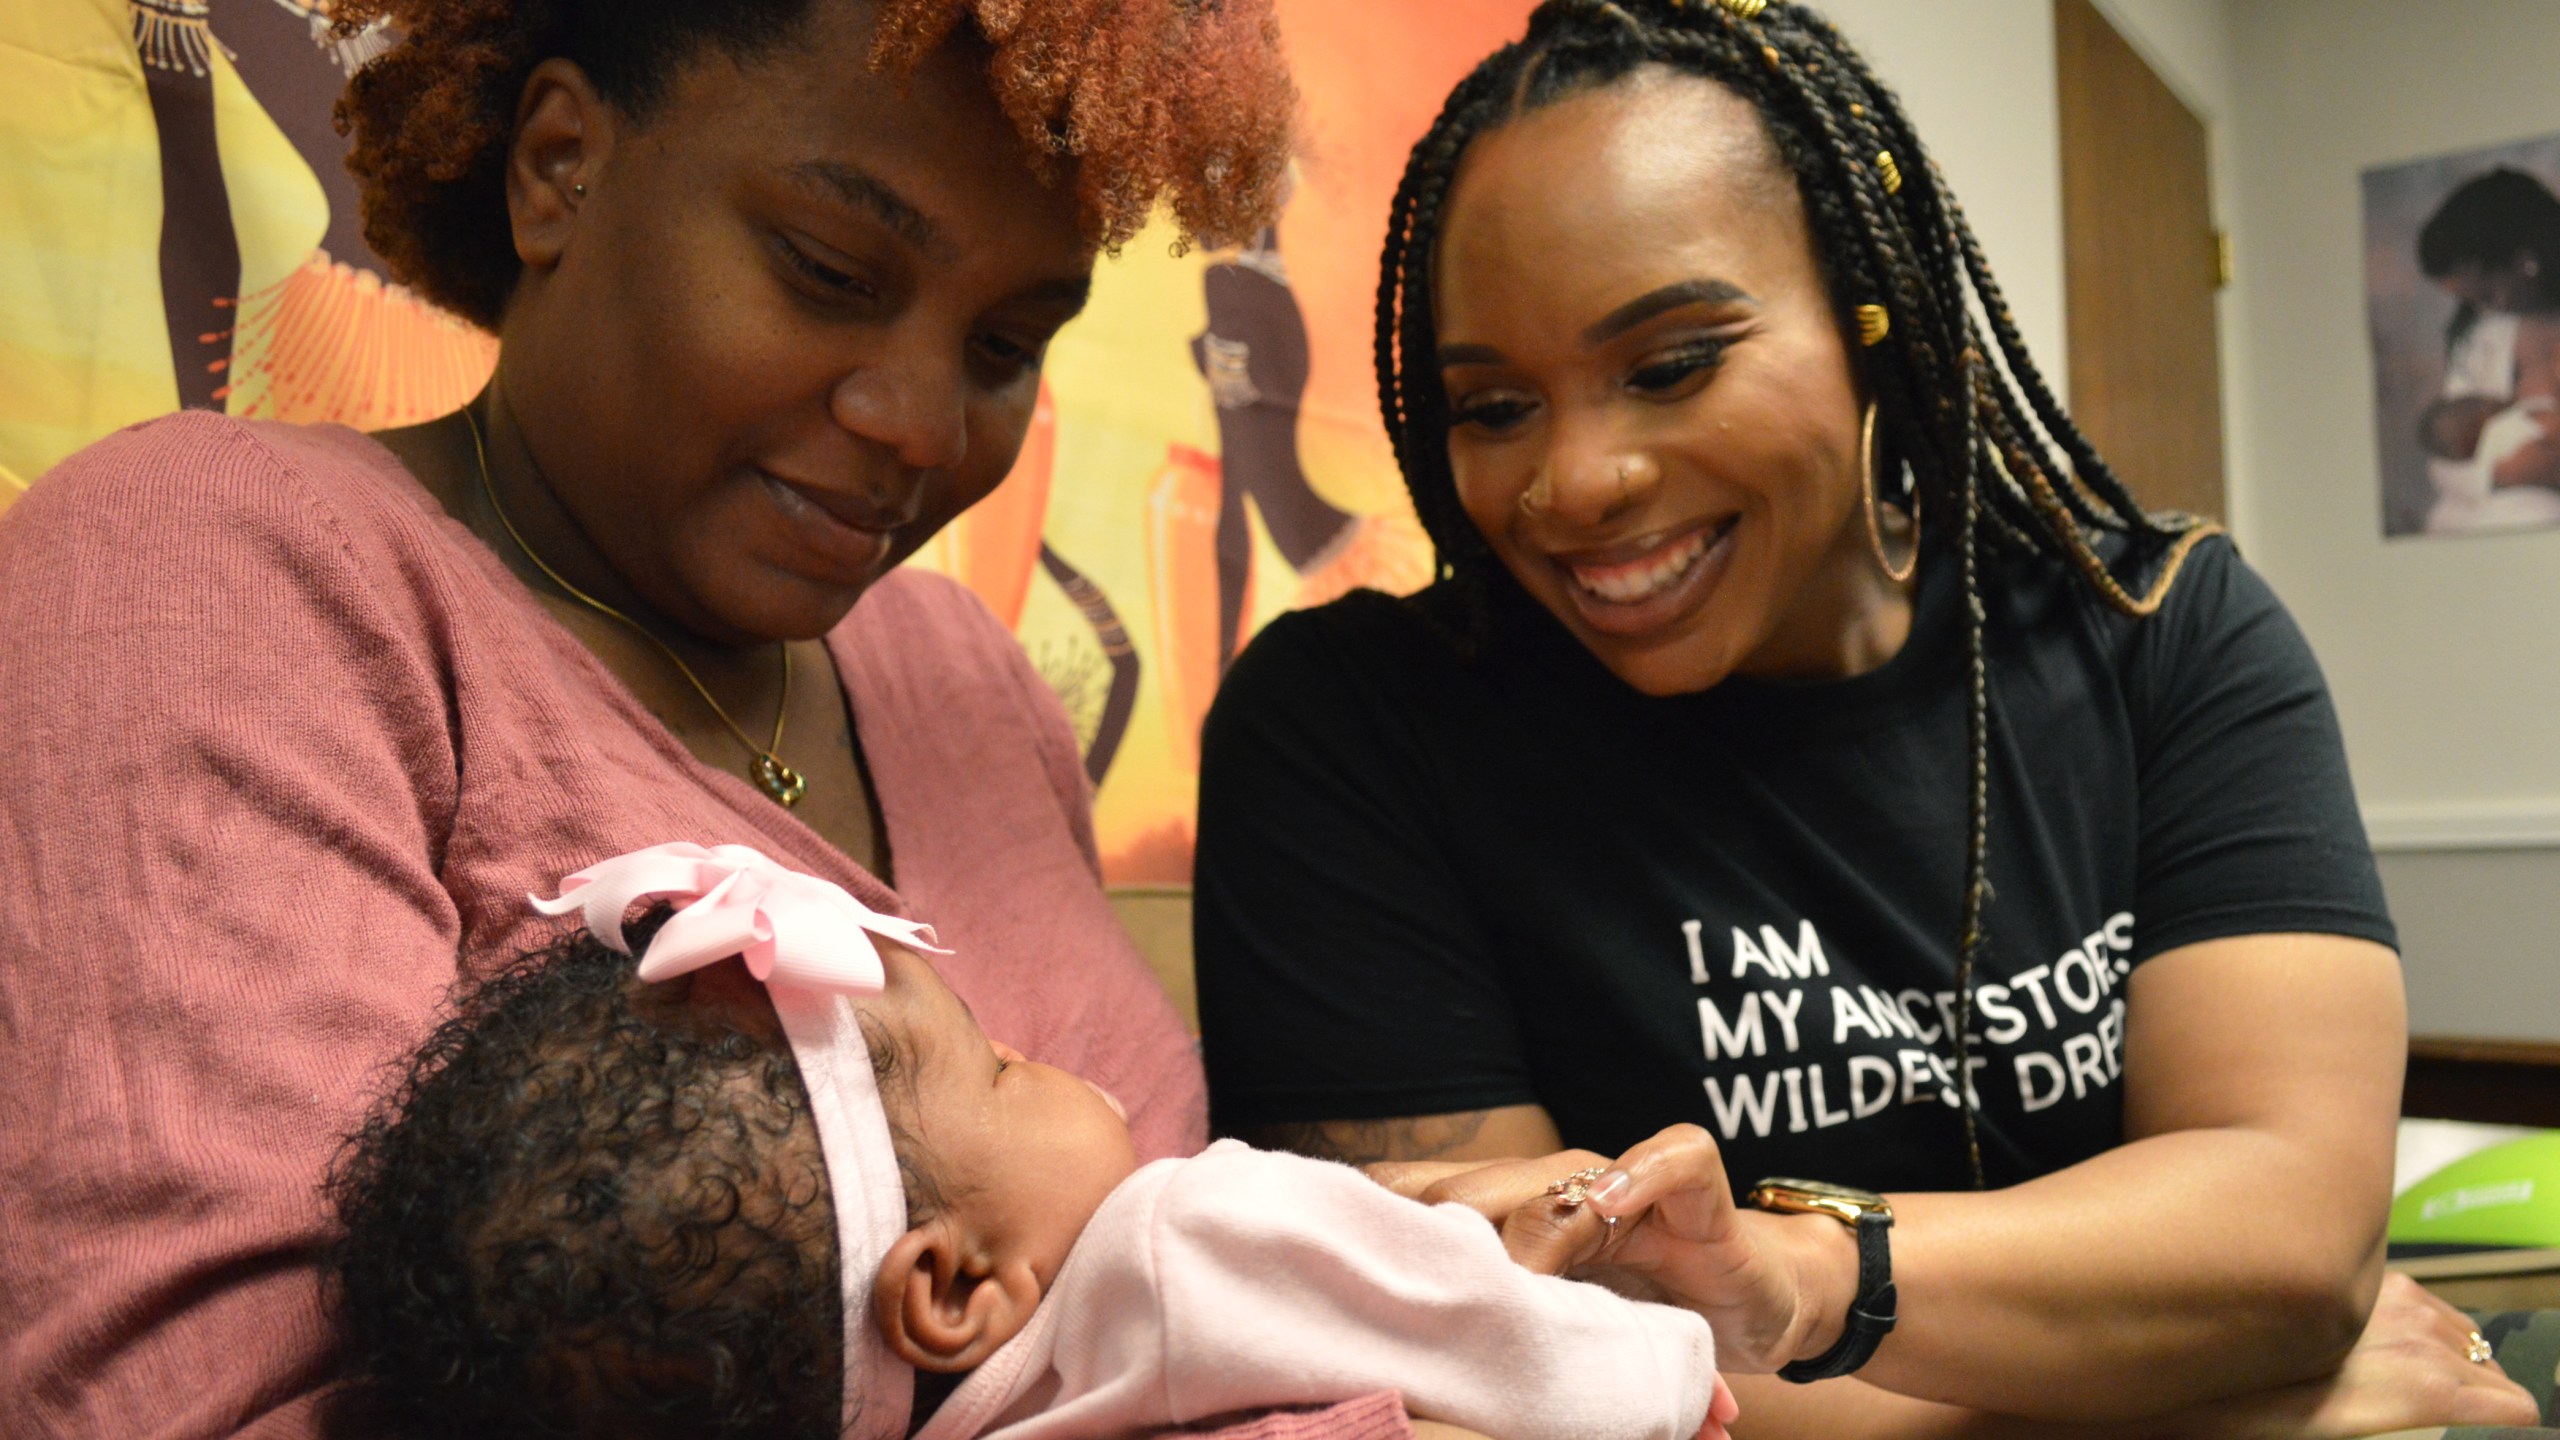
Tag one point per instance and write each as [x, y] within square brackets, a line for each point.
[1612, 1187]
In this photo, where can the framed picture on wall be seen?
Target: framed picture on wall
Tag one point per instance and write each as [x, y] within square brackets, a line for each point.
[2462, 288]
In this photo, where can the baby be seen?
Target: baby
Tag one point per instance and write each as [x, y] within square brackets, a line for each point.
[645, 1202]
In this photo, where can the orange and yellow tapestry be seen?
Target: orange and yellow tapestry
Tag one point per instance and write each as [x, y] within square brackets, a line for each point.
[176, 230]
[1208, 452]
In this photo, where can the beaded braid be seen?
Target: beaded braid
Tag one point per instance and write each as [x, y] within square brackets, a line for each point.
[1973, 422]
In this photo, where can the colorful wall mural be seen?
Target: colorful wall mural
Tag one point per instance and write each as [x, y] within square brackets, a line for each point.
[176, 230]
[1208, 452]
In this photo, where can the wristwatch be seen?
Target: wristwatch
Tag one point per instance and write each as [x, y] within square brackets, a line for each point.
[1871, 1314]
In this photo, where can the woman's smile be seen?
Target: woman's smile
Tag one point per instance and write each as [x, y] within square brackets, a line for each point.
[1631, 591]
[852, 537]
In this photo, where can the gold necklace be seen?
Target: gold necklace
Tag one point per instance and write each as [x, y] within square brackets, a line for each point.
[771, 774]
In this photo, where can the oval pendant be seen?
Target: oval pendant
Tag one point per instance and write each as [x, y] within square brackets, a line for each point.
[778, 780]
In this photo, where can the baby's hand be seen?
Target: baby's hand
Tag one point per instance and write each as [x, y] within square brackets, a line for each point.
[1720, 1413]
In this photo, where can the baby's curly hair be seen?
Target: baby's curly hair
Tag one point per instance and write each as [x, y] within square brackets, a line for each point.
[589, 1209]
[1134, 99]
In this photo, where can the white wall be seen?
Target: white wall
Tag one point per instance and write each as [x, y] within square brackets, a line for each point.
[1977, 79]
[2444, 654]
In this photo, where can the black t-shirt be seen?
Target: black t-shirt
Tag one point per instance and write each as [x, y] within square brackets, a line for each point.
[1429, 883]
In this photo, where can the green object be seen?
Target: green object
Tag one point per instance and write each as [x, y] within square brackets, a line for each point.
[2505, 1195]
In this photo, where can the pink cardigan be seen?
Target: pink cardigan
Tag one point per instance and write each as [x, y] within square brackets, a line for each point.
[278, 739]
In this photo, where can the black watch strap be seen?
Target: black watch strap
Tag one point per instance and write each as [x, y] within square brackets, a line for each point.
[1871, 1314]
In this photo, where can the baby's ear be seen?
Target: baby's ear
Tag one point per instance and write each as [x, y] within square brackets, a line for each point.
[945, 1303]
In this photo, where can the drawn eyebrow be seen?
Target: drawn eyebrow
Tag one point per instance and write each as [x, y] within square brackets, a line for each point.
[1619, 321]
[1653, 302]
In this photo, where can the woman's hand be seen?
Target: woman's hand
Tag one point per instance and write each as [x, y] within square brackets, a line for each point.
[1773, 1288]
[2409, 1370]
[1514, 1195]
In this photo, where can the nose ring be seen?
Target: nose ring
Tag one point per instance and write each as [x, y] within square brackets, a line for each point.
[1537, 498]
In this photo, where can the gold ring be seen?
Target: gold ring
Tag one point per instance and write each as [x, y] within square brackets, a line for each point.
[2477, 1349]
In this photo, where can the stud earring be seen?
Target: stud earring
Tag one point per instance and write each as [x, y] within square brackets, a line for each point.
[579, 189]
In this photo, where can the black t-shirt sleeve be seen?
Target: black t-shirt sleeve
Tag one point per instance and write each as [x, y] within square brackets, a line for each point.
[2249, 822]
[1343, 974]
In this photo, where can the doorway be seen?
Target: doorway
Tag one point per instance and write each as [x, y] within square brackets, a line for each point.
[2143, 267]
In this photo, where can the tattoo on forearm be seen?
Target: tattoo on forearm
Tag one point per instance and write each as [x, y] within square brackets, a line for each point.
[1363, 1142]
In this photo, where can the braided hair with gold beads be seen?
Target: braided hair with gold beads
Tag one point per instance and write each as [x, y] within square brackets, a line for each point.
[1982, 441]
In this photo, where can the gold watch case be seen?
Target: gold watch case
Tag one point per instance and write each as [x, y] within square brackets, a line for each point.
[1844, 1203]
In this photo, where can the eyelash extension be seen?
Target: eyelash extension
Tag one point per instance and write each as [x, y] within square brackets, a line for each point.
[1660, 372]
[1683, 362]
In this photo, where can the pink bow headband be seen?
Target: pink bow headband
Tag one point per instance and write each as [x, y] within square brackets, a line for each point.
[811, 943]
[792, 929]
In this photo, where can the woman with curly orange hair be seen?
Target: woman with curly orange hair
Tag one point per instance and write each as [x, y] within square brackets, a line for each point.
[773, 280]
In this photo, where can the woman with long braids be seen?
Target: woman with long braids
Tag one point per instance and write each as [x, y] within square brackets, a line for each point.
[1813, 763]
[773, 280]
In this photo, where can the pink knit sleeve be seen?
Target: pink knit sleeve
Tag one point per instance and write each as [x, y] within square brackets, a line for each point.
[226, 778]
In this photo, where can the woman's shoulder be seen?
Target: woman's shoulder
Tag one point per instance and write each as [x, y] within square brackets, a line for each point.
[201, 484]
[2208, 587]
[2220, 636]
[2213, 598]
[1367, 682]
[201, 448]
[1378, 641]
[207, 530]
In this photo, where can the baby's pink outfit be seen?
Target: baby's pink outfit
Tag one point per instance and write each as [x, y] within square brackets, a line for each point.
[1243, 1279]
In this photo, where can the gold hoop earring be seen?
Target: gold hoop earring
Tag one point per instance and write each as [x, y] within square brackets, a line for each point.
[1873, 504]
